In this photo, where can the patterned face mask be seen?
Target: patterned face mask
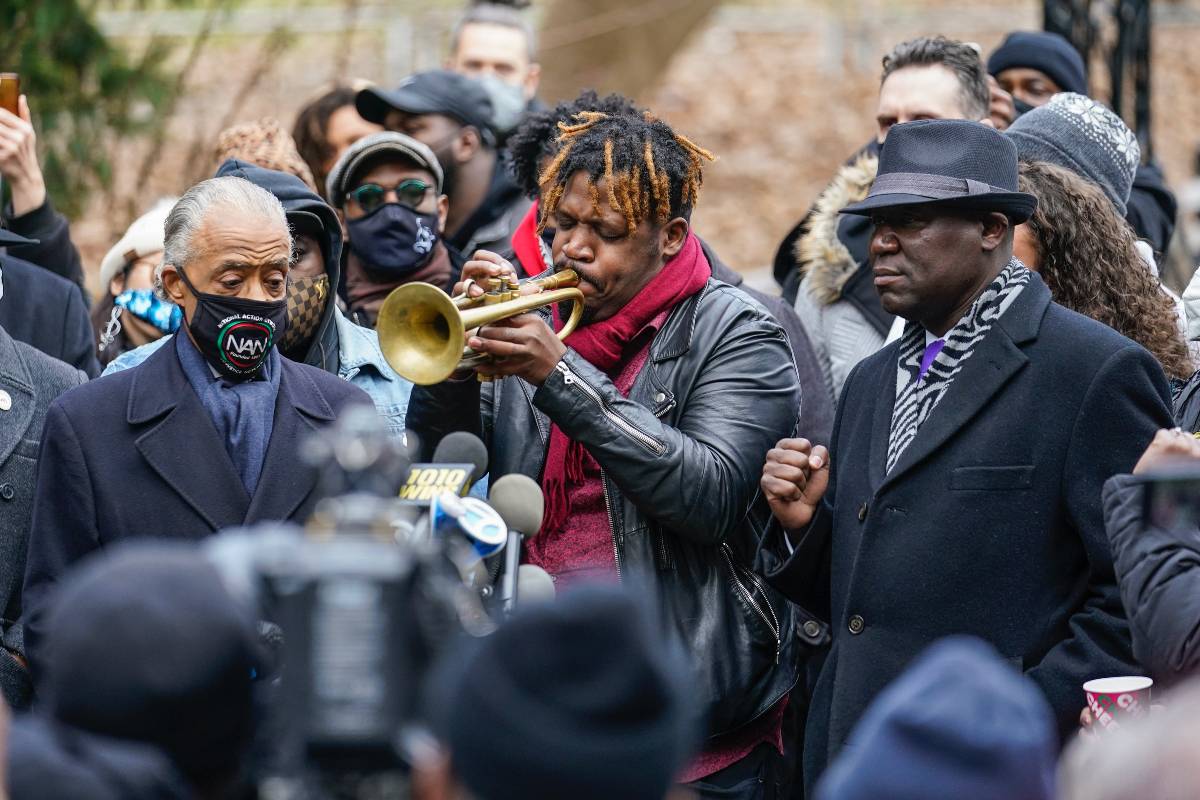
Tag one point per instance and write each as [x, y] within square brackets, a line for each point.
[306, 298]
[150, 308]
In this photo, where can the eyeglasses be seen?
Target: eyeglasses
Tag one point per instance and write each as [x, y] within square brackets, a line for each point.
[409, 192]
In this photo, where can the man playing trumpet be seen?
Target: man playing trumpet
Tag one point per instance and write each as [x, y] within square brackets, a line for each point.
[647, 424]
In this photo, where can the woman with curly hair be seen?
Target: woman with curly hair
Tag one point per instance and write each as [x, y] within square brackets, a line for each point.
[1086, 254]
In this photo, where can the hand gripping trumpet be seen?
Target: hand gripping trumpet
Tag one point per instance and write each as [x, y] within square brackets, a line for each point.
[423, 331]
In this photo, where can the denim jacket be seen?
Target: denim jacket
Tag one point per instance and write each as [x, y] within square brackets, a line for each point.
[360, 361]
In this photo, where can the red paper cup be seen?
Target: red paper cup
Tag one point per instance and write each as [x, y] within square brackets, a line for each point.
[1112, 699]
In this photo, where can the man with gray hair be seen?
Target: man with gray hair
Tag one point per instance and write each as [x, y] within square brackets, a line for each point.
[205, 433]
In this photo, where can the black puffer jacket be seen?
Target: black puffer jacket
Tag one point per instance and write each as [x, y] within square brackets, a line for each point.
[1159, 574]
[681, 458]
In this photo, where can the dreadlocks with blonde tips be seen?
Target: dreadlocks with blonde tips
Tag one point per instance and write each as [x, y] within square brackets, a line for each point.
[649, 171]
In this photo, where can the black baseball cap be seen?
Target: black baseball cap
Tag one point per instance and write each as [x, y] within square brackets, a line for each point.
[437, 91]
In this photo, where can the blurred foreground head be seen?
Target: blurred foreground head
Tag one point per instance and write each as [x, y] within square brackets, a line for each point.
[959, 723]
[572, 700]
[49, 761]
[145, 644]
[1153, 758]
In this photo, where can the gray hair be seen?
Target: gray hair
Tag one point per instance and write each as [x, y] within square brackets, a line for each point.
[961, 58]
[506, 16]
[1150, 757]
[230, 194]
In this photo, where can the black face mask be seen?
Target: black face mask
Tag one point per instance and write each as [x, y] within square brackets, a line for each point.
[393, 240]
[1021, 106]
[233, 334]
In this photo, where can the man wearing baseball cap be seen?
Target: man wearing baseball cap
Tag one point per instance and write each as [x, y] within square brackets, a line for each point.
[453, 115]
[387, 188]
[963, 495]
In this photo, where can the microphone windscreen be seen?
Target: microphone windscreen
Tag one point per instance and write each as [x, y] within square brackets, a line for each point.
[462, 447]
[534, 586]
[519, 500]
[412, 444]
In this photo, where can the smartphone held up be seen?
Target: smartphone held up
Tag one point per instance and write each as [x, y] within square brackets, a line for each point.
[10, 91]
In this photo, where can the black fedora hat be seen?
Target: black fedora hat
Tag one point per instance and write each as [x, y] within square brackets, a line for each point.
[951, 162]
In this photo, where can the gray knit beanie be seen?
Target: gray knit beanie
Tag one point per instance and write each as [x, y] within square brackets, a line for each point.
[1079, 134]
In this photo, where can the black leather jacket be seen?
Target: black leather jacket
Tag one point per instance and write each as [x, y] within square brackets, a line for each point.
[681, 459]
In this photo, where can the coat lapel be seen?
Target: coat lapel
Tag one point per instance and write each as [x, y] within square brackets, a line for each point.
[16, 382]
[184, 448]
[881, 423]
[996, 360]
[285, 484]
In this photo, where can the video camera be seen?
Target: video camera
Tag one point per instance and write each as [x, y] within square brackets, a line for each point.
[396, 562]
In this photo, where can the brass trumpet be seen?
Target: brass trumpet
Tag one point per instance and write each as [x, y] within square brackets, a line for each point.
[423, 331]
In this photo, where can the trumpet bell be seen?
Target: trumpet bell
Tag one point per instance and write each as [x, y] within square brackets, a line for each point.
[422, 330]
[421, 333]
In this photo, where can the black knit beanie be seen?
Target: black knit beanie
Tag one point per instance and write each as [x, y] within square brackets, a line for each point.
[572, 700]
[1045, 52]
[144, 643]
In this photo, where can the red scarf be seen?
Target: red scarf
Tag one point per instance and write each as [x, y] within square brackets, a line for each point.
[603, 345]
[527, 245]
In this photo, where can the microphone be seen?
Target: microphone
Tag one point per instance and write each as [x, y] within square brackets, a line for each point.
[459, 461]
[474, 519]
[534, 585]
[463, 447]
[519, 500]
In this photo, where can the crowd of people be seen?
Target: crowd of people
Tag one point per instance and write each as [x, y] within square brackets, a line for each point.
[864, 538]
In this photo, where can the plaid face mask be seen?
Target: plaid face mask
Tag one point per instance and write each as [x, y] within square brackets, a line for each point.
[306, 298]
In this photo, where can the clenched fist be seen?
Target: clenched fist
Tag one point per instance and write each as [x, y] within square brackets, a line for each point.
[794, 480]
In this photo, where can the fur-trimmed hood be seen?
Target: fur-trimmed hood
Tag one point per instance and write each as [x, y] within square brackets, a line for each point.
[819, 252]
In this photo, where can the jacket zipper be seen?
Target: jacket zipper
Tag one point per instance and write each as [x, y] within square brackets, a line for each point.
[612, 529]
[772, 622]
[637, 434]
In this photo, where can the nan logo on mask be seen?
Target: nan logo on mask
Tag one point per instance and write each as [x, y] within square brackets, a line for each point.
[244, 341]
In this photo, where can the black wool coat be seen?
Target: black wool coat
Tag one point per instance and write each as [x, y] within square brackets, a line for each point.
[989, 524]
[48, 312]
[135, 454]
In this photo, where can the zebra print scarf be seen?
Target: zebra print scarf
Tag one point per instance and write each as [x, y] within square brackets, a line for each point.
[916, 397]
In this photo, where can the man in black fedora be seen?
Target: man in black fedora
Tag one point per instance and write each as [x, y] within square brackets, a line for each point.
[962, 494]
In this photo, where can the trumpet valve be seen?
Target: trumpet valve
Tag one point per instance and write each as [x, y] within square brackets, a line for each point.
[495, 292]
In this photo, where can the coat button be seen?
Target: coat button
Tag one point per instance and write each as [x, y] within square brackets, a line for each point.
[856, 624]
[812, 629]
[5, 400]
[661, 396]
[7, 491]
[862, 512]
